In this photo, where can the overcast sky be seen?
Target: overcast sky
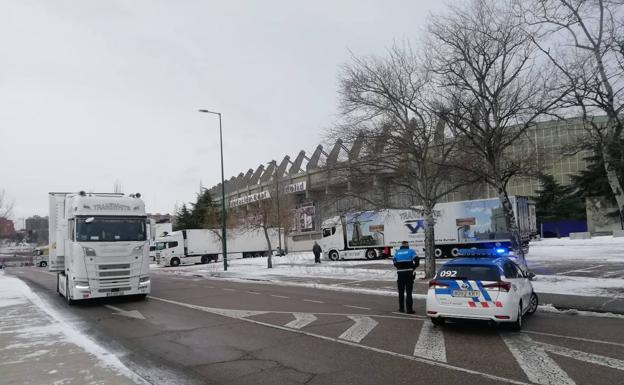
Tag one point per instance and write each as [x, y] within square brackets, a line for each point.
[94, 92]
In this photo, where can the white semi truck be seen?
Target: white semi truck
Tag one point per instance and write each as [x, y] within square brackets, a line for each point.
[98, 245]
[464, 224]
[185, 247]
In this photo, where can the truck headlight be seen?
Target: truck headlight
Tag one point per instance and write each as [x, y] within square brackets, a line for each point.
[143, 281]
[81, 285]
[89, 252]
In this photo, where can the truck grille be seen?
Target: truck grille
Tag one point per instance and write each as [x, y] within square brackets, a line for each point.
[120, 271]
[114, 282]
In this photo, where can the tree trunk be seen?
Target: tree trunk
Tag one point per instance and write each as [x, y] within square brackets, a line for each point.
[510, 222]
[268, 239]
[430, 265]
[614, 182]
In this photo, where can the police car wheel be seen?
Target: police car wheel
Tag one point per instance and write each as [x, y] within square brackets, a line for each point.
[333, 255]
[533, 304]
[371, 254]
[517, 325]
[437, 321]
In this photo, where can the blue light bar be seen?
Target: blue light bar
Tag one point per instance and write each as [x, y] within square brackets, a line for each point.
[482, 252]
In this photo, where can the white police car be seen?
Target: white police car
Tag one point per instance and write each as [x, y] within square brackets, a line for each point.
[482, 286]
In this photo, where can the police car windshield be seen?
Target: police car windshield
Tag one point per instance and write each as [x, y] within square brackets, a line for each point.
[470, 272]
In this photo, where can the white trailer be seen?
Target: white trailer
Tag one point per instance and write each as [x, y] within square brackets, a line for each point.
[464, 224]
[185, 247]
[98, 245]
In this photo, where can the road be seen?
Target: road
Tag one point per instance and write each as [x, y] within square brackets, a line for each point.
[211, 331]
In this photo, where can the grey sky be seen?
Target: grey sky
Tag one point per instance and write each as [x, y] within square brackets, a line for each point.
[97, 91]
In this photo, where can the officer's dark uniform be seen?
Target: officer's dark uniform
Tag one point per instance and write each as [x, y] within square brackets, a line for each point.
[406, 261]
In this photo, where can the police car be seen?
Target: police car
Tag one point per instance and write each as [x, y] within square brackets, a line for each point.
[481, 285]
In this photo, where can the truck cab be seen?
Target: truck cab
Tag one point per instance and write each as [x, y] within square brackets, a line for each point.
[99, 245]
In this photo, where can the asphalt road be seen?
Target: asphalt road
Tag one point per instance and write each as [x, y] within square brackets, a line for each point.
[198, 330]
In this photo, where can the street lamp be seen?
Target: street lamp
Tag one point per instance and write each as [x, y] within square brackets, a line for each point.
[223, 212]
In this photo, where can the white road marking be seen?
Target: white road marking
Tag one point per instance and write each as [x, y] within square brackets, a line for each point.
[574, 338]
[232, 314]
[301, 320]
[126, 313]
[357, 307]
[534, 361]
[430, 343]
[313, 300]
[350, 282]
[359, 330]
[253, 292]
[595, 359]
[226, 289]
[279, 296]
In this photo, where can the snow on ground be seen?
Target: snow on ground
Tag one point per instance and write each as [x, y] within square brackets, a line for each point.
[291, 265]
[33, 331]
[598, 249]
[581, 286]
[586, 253]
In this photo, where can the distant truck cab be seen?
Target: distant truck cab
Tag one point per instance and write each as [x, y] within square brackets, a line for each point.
[41, 255]
[98, 245]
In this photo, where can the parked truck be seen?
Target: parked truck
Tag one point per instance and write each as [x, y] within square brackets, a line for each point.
[464, 224]
[40, 256]
[185, 247]
[98, 245]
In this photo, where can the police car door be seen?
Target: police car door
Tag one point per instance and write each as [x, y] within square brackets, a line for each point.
[517, 286]
[524, 285]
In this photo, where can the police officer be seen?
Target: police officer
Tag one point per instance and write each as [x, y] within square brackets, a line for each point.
[406, 261]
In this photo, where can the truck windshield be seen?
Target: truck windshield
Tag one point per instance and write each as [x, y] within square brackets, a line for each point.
[110, 229]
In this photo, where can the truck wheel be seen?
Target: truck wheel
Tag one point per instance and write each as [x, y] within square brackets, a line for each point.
[455, 252]
[70, 301]
[370, 254]
[205, 259]
[174, 262]
[438, 252]
[43, 264]
[333, 255]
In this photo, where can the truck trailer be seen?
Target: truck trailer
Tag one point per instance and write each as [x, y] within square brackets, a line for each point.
[98, 245]
[463, 224]
[185, 247]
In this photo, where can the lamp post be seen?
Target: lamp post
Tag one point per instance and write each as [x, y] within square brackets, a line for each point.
[223, 212]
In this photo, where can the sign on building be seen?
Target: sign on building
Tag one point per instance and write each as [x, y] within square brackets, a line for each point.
[262, 195]
[295, 187]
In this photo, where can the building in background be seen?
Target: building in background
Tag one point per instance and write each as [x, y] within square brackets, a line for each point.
[7, 229]
[36, 228]
[310, 181]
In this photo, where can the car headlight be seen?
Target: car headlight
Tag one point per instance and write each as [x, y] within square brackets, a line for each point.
[81, 285]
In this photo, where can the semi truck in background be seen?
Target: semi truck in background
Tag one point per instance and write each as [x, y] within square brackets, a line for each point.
[40, 256]
[185, 247]
[157, 230]
[98, 245]
[464, 224]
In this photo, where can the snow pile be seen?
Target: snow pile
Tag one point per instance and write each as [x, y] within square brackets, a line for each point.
[597, 249]
[36, 329]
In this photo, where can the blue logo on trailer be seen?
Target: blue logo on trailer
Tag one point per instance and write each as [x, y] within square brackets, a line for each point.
[414, 225]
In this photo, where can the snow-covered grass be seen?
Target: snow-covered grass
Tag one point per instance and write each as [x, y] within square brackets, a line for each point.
[598, 249]
[35, 327]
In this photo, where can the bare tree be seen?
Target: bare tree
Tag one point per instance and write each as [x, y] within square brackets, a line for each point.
[493, 88]
[385, 102]
[266, 215]
[6, 206]
[584, 39]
